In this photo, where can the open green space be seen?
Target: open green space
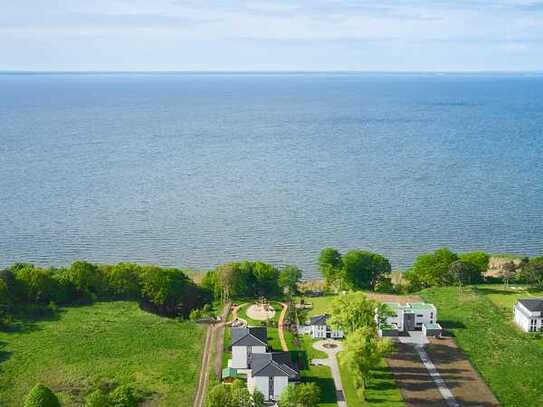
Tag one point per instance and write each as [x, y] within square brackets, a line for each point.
[480, 318]
[78, 349]
[381, 390]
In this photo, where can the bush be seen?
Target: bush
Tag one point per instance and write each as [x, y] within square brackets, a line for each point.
[124, 396]
[41, 396]
[97, 399]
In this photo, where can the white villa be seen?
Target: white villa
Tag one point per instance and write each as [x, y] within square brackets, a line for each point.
[270, 374]
[318, 328]
[246, 342]
[528, 314]
[419, 316]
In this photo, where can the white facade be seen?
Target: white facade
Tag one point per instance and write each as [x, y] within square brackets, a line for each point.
[410, 317]
[325, 331]
[242, 354]
[528, 321]
[262, 384]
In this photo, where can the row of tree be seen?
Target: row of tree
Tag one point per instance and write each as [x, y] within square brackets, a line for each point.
[250, 279]
[363, 350]
[166, 291]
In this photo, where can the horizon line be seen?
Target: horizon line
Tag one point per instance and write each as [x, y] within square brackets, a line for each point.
[203, 72]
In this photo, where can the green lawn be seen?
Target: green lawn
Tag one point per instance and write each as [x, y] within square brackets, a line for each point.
[80, 348]
[381, 390]
[321, 375]
[509, 360]
[321, 305]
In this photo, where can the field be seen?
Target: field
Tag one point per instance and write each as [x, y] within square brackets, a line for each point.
[79, 348]
[509, 360]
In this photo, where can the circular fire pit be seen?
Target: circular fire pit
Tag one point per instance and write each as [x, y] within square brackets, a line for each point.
[329, 345]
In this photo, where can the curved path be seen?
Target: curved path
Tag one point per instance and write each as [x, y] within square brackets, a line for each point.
[334, 366]
[281, 327]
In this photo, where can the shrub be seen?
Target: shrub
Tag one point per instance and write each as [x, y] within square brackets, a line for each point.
[41, 396]
[124, 396]
[97, 399]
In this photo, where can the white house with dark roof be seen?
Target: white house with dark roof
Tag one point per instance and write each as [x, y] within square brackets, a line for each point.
[528, 314]
[247, 341]
[318, 328]
[270, 374]
[403, 319]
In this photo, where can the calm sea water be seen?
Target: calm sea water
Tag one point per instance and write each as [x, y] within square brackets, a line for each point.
[195, 170]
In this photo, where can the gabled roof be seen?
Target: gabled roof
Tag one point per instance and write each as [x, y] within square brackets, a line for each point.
[252, 336]
[319, 319]
[273, 364]
[533, 304]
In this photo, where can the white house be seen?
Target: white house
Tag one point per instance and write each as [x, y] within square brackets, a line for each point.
[247, 341]
[419, 316]
[528, 314]
[270, 374]
[318, 328]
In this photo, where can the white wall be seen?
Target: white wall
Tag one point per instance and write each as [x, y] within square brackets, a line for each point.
[239, 357]
[524, 321]
[258, 349]
[280, 383]
[261, 383]
[318, 331]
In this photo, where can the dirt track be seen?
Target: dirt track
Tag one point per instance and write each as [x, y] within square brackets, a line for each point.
[417, 386]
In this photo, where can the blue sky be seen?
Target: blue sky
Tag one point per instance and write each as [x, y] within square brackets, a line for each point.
[313, 35]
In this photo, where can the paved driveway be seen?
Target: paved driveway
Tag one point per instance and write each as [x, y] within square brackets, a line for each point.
[333, 364]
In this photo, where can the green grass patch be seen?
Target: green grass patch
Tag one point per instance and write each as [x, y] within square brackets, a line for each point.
[381, 390]
[320, 375]
[509, 360]
[79, 348]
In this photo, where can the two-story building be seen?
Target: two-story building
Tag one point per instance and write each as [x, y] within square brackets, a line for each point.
[271, 373]
[319, 328]
[528, 314]
[401, 319]
[247, 341]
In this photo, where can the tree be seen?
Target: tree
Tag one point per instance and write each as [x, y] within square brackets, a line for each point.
[163, 289]
[431, 269]
[5, 302]
[509, 271]
[353, 311]
[480, 261]
[124, 280]
[36, 283]
[85, 277]
[363, 269]
[461, 272]
[289, 278]
[330, 266]
[363, 352]
[266, 278]
[41, 396]
[533, 272]
[301, 395]
[233, 395]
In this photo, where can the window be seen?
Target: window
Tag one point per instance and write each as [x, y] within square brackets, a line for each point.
[533, 325]
[420, 316]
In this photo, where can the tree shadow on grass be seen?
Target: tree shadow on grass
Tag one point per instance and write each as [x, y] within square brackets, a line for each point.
[26, 318]
[4, 355]
[299, 357]
[327, 386]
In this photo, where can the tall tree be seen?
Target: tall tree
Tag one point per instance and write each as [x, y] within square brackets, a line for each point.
[289, 278]
[533, 272]
[331, 266]
[431, 269]
[353, 311]
[363, 269]
[41, 396]
[363, 352]
[302, 395]
[480, 261]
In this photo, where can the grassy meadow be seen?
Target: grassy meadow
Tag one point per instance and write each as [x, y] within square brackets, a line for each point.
[480, 318]
[77, 349]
